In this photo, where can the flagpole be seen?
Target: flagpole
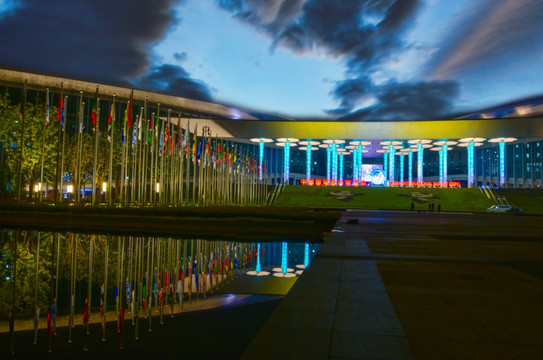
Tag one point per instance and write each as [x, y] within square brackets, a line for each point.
[77, 176]
[45, 122]
[21, 144]
[162, 151]
[152, 156]
[145, 151]
[63, 125]
[59, 109]
[187, 157]
[96, 129]
[194, 156]
[157, 150]
[111, 121]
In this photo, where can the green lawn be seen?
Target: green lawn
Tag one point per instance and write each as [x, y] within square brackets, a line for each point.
[383, 198]
[531, 200]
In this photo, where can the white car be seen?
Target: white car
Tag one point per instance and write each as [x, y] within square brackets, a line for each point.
[499, 208]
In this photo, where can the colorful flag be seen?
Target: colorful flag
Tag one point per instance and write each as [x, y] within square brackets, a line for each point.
[140, 124]
[110, 119]
[129, 111]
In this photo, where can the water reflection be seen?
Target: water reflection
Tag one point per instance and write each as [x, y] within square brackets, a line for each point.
[72, 280]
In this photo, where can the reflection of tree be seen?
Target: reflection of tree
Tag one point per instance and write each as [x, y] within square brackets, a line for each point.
[26, 262]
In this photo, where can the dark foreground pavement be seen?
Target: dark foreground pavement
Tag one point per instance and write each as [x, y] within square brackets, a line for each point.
[402, 285]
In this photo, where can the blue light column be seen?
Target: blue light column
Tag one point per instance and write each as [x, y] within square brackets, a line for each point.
[441, 168]
[341, 167]
[284, 250]
[258, 266]
[401, 169]
[419, 164]
[286, 164]
[355, 164]
[328, 163]
[391, 165]
[260, 158]
[502, 163]
[410, 168]
[385, 163]
[360, 148]
[334, 163]
[308, 163]
[445, 151]
[471, 164]
[306, 255]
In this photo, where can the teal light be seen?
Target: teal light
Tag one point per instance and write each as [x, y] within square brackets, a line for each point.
[306, 255]
[445, 150]
[401, 169]
[334, 163]
[308, 162]
[286, 164]
[502, 164]
[258, 266]
[341, 167]
[385, 163]
[360, 148]
[284, 251]
[328, 163]
[410, 168]
[471, 164]
[260, 158]
[419, 164]
[391, 164]
[441, 167]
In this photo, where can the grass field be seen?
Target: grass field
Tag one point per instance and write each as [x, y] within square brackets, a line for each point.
[383, 198]
[531, 200]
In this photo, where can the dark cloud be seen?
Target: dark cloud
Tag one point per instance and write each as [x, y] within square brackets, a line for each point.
[409, 101]
[491, 33]
[97, 40]
[174, 80]
[364, 33]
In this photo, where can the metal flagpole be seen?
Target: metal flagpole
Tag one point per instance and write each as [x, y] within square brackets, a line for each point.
[21, 144]
[111, 122]
[61, 96]
[45, 123]
[77, 176]
[94, 163]
[63, 126]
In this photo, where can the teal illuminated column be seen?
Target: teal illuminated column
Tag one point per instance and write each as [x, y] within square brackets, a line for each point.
[286, 164]
[385, 163]
[306, 255]
[419, 164]
[401, 169]
[355, 164]
[410, 168]
[502, 163]
[440, 167]
[391, 164]
[360, 152]
[260, 158]
[334, 163]
[471, 164]
[258, 266]
[445, 151]
[308, 162]
[284, 250]
[328, 163]
[341, 167]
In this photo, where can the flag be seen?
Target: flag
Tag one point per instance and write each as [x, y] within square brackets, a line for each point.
[93, 116]
[63, 114]
[110, 119]
[47, 109]
[194, 144]
[150, 133]
[60, 106]
[129, 111]
[140, 124]
[135, 132]
[166, 137]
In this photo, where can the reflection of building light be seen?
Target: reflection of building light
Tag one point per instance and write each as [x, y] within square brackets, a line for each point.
[306, 255]
[70, 189]
[157, 187]
[258, 266]
[36, 188]
[284, 256]
[104, 186]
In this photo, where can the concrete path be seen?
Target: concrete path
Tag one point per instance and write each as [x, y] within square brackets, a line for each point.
[409, 285]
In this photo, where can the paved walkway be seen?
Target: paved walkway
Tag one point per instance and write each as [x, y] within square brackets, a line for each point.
[406, 286]
[339, 308]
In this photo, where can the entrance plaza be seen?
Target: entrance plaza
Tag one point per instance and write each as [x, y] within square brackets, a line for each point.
[384, 284]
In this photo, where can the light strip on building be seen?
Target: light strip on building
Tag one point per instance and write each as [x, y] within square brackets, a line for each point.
[385, 163]
[355, 164]
[341, 167]
[440, 168]
[391, 164]
[410, 168]
[286, 164]
[360, 152]
[419, 164]
[308, 163]
[471, 163]
[401, 169]
[328, 163]
[334, 163]
[502, 164]
[445, 151]
[260, 158]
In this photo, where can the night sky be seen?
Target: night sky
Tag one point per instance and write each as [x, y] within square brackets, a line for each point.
[340, 59]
